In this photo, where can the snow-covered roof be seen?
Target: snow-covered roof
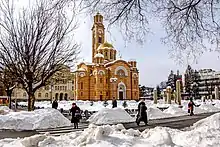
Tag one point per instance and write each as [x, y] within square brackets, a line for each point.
[81, 69]
[112, 62]
[99, 55]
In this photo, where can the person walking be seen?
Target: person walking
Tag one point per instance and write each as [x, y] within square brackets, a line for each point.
[191, 105]
[142, 114]
[114, 103]
[76, 115]
[55, 104]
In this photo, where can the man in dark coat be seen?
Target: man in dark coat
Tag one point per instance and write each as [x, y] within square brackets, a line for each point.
[76, 115]
[191, 105]
[114, 103]
[142, 114]
[55, 104]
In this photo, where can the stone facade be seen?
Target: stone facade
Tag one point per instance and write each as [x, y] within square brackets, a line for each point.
[59, 87]
[106, 77]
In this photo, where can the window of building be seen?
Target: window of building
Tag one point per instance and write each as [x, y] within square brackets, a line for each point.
[100, 80]
[47, 87]
[55, 87]
[120, 72]
[81, 85]
[81, 93]
[58, 87]
[24, 94]
[94, 80]
[46, 94]
[100, 39]
[106, 80]
[106, 93]
[39, 94]
[72, 87]
[106, 54]
[72, 81]
[65, 88]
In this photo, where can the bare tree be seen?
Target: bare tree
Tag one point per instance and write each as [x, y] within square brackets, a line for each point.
[36, 42]
[192, 26]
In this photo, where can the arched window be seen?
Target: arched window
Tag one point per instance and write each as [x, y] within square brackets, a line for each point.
[46, 94]
[39, 94]
[121, 72]
[24, 94]
[100, 39]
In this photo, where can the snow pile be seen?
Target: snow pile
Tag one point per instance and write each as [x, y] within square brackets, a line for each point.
[212, 122]
[175, 111]
[38, 119]
[110, 116]
[209, 108]
[155, 113]
[203, 133]
[4, 110]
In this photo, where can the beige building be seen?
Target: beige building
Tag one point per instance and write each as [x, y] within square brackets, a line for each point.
[106, 77]
[59, 87]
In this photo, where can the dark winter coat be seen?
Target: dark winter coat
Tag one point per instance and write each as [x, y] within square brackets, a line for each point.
[142, 114]
[191, 105]
[55, 104]
[76, 114]
[114, 103]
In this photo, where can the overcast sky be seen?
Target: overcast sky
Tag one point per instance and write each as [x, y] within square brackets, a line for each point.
[154, 62]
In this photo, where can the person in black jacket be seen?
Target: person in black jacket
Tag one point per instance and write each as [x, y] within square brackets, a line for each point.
[191, 105]
[142, 114]
[76, 115]
[114, 103]
[55, 104]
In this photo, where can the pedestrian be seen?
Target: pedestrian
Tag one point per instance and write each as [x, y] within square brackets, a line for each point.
[76, 115]
[191, 105]
[142, 114]
[55, 104]
[114, 103]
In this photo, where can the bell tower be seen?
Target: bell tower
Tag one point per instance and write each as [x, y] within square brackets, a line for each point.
[98, 34]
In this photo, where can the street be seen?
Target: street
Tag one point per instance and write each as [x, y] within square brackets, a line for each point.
[174, 122]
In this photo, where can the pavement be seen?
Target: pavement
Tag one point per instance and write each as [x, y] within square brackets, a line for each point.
[179, 122]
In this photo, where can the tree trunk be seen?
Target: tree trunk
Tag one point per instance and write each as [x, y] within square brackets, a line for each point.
[31, 100]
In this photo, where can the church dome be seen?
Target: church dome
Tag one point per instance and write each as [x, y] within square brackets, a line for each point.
[81, 69]
[99, 55]
[105, 45]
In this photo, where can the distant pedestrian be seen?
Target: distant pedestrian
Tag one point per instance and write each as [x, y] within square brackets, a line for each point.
[142, 114]
[76, 115]
[114, 103]
[55, 104]
[191, 105]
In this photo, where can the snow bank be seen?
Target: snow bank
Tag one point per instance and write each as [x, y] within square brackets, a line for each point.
[155, 113]
[175, 111]
[4, 110]
[110, 116]
[203, 133]
[38, 119]
[209, 108]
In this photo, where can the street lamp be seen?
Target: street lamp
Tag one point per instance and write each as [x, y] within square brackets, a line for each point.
[51, 89]
[113, 81]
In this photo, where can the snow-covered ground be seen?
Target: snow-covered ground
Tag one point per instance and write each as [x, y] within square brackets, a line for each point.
[38, 119]
[204, 133]
[106, 115]
[111, 116]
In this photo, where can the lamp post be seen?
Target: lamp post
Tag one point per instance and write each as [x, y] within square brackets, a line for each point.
[113, 81]
[51, 90]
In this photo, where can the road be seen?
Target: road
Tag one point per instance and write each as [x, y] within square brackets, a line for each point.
[174, 122]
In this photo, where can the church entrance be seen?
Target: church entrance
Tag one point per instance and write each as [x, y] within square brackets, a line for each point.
[120, 95]
[101, 97]
[121, 91]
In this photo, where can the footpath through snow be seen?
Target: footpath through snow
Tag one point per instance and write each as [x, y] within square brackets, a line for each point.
[204, 133]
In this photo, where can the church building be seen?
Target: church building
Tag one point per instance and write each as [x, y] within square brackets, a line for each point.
[106, 77]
